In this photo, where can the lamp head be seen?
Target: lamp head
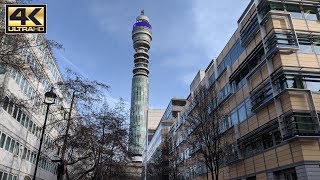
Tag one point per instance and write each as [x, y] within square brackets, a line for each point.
[50, 97]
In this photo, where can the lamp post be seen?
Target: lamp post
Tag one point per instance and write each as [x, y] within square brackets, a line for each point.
[49, 99]
[65, 140]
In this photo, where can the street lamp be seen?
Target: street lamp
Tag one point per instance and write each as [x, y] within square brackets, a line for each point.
[49, 99]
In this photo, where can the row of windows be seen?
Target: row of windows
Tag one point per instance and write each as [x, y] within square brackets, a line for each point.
[27, 56]
[25, 120]
[237, 115]
[302, 124]
[47, 60]
[260, 143]
[308, 43]
[224, 93]
[241, 78]
[231, 56]
[38, 72]
[299, 82]
[7, 176]
[260, 97]
[13, 146]
[280, 39]
[284, 38]
[296, 11]
[193, 171]
[25, 86]
[27, 89]
[249, 32]
[240, 113]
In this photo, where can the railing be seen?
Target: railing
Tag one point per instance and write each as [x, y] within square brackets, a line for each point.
[280, 39]
[301, 124]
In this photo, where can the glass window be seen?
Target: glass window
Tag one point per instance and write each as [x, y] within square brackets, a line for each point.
[8, 141]
[305, 48]
[19, 115]
[2, 140]
[316, 48]
[30, 126]
[28, 155]
[29, 91]
[10, 107]
[248, 107]
[267, 140]
[5, 176]
[257, 145]
[14, 73]
[294, 10]
[27, 122]
[247, 150]
[234, 117]
[276, 6]
[13, 143]
[25, 88]
[34, 129]
[242, 113]
[23, 81]
[298, 83]
[23, 119]
[24, 153]
[32, 157]
[313, 85]
[18, 78]
[15, 112]
[282, 39]
[277, 137]
[6, 103]
[310, 13]
[17, 148]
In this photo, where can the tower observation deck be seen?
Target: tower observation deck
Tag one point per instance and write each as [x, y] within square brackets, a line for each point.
[141, 36]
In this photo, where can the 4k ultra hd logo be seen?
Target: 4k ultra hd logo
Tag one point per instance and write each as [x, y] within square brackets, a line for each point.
[22, 18]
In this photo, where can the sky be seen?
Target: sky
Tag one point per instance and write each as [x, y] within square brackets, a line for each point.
[96, 36]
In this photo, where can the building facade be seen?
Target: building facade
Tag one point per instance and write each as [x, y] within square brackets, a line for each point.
[28, 70]
[141, 36]
[156, 153]
[267, 83]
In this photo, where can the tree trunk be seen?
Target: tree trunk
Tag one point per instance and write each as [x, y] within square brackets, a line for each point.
[207, 172]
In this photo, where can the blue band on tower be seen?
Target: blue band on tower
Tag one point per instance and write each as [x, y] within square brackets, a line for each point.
[143, 23]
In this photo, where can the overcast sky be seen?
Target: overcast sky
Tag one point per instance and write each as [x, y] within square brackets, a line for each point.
[187, 34]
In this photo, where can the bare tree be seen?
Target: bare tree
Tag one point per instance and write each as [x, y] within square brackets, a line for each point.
[94, 142]
[206, 119]
[158, 165]
[97, 149]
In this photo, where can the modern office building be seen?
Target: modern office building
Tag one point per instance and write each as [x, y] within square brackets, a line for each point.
[156, 154]
[154, 118]
[27, 71]
[267, 80]
[141, 36]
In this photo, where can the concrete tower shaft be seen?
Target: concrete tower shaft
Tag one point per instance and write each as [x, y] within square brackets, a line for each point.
[141, 36]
